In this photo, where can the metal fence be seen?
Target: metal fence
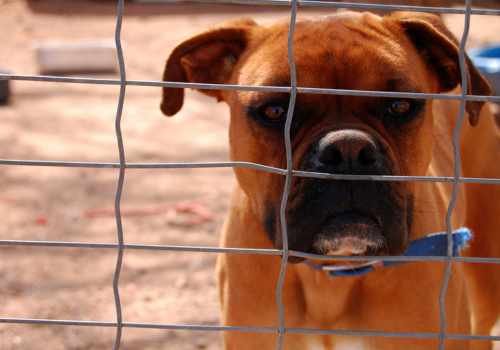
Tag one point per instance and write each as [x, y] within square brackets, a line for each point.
[467, 10]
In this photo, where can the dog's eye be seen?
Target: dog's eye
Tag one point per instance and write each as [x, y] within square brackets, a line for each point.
[401, 111]
[399, 108]
[274, 113]
[271, 114]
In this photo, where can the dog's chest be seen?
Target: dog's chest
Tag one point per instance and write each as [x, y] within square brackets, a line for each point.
[340, 343]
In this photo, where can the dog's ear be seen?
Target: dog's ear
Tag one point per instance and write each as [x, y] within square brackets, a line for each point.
[440, 49]
[206, 58]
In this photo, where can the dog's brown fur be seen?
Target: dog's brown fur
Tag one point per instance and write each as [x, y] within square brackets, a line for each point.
[349, 51]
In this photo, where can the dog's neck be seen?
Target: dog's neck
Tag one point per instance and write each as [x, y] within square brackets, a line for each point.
[434, 197]
[244, 214]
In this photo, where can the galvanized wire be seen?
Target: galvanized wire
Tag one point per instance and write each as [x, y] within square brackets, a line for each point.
[280, 342]
[250, 329]
[457, 131]
[289, 172]
[259, 88]
[250, 165]
[121, 176]
[249, 251]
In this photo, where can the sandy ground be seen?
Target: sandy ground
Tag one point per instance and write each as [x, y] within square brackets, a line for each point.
[76, 122]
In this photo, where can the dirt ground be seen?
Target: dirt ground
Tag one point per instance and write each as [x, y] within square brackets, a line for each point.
[51, 121]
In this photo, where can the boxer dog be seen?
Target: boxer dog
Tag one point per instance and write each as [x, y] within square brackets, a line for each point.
[406, 52]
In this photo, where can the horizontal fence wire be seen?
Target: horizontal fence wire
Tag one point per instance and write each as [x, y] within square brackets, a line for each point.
[284, 253]
[258, 88]
[249, 251]
[250, 165]
[249, 329]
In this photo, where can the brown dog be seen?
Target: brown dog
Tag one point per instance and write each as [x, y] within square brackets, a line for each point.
[349, 135]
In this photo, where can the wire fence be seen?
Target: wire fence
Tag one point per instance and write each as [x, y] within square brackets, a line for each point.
[120, 246]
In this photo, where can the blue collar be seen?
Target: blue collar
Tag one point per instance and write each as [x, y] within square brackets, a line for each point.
[435, 244]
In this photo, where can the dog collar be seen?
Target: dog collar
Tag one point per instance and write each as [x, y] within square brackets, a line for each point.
[435, 244]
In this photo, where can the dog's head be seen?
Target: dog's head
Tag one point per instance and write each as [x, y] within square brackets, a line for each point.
[330, 133]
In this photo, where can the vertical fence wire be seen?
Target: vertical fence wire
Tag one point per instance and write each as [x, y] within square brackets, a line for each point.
[288, 179]
[121, 176]
[457, 131]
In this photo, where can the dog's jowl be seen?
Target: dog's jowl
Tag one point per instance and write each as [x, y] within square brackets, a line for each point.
[349, 135]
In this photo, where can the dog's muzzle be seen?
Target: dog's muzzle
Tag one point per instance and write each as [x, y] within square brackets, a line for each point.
[347, 217]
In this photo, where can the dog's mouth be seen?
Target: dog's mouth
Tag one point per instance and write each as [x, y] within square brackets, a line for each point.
[345, 219]
[350, 234]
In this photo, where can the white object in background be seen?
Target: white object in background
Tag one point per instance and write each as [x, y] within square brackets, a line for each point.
[76, 57]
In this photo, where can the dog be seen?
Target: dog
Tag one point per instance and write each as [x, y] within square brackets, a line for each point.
[403, 52]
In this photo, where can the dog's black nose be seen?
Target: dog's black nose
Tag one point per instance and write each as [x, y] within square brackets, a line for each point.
[349, 151]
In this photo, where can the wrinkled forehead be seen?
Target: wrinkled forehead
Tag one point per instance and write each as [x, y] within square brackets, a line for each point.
[354, 51]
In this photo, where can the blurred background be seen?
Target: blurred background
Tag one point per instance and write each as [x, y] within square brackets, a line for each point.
[56, 121]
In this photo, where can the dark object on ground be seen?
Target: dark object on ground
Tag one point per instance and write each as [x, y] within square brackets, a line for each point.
[4, 89]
